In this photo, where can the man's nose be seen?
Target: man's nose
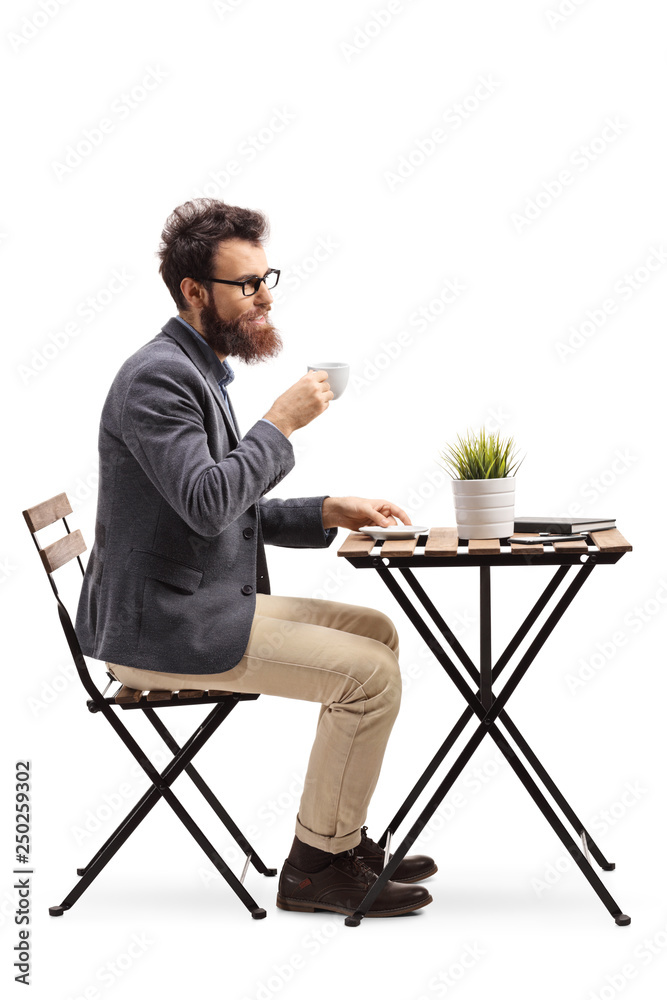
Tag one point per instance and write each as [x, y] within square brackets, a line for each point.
[263, 296]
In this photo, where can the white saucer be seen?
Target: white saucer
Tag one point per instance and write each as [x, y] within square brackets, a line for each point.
[394, 531]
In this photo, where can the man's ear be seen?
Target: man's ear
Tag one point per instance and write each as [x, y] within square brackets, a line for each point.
[194, 293]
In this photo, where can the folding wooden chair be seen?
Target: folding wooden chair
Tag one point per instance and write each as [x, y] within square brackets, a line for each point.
[54, 556]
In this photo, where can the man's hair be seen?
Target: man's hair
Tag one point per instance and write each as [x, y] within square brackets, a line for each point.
[191, 236]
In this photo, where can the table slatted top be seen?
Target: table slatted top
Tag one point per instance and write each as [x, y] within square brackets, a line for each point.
[445, 543]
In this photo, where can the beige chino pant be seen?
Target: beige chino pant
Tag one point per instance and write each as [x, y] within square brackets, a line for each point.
[341, 655]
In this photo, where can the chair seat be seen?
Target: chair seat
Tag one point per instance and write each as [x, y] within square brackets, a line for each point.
[128, 697]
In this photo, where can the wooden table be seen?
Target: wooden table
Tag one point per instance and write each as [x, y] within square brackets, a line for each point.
[442, 548]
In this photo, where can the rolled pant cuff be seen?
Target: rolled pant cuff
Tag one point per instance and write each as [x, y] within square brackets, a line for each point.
[334, 845]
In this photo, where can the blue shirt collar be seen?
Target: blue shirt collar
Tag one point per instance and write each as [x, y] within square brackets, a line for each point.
[224, 373]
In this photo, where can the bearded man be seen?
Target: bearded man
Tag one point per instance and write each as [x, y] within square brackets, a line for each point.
[176, 593]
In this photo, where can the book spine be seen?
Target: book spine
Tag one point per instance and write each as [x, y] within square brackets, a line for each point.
[553, 527]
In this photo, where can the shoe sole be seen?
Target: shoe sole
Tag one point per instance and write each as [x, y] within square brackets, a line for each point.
[304, 906]
[417, 878]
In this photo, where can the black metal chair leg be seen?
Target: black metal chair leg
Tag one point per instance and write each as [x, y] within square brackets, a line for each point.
[229, 876]
[233, 882]
[108, 850]
[215, 804]
[138, 812]
[161, 784]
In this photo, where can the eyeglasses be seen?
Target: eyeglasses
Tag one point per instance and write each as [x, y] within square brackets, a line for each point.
[251, 285]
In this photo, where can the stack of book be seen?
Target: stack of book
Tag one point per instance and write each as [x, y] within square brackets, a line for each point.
[563, 525]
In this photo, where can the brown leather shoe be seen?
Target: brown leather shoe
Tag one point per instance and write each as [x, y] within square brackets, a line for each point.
[414, 868]
[341, 886]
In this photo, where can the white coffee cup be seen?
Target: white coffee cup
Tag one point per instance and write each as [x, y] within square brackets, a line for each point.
[337, 375]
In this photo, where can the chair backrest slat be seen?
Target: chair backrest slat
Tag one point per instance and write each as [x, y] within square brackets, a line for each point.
[47, 512]
[60, 552]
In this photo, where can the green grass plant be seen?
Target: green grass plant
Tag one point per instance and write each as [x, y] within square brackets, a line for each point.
[480, 455]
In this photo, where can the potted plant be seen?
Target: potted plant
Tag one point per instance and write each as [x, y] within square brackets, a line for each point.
[483, 467]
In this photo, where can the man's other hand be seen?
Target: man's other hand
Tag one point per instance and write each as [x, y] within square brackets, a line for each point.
[358, 512]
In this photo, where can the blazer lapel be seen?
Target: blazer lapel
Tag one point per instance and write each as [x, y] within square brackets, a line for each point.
[197, 354]
[231, 410]
[217, 395]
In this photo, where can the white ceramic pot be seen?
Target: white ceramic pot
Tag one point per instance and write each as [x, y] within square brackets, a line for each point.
[484, 507]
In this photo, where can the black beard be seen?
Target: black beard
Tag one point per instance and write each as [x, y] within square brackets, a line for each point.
[240, 338]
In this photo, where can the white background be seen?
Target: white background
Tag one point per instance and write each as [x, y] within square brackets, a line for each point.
[336, 98]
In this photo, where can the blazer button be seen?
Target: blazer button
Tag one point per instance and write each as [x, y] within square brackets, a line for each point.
[246, 589]
[248, 532]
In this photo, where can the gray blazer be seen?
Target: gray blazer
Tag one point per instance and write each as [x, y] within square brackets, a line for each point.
[178, 556]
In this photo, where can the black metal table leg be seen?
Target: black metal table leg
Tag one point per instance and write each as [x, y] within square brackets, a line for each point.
[431, 769]
[460, 652]
[472, 670]
[488, 709]
[485, 667]
[397, 856]
[559, 828]
[559, 798]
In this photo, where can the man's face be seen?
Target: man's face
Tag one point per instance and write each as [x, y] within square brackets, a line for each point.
[235, 324]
